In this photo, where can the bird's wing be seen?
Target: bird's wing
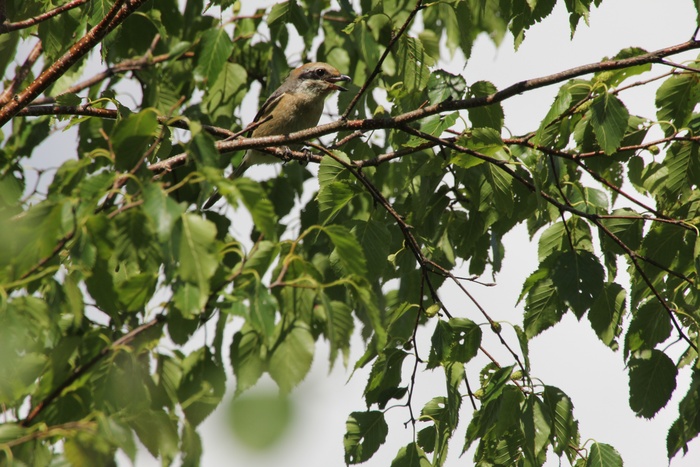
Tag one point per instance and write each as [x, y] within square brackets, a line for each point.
[269, 105]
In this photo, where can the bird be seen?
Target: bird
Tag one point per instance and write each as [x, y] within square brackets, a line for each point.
[296, 105]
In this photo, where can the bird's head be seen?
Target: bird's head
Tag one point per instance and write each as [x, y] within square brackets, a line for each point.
[316, 77]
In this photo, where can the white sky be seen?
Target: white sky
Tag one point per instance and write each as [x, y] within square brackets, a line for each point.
[568, 356]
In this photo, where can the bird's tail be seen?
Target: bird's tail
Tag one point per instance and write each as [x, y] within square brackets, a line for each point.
[242, 167]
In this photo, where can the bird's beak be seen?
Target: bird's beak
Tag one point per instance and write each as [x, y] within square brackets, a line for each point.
[334, 79]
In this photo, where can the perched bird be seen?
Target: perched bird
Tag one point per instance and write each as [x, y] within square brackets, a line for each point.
[296, 105]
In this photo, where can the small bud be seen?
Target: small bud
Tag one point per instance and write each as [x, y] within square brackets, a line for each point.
[432, 310]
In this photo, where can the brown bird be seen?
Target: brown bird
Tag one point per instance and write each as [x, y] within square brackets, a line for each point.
[296, 105]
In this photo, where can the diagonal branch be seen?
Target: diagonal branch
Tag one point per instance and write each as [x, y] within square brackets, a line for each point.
[22, 73]
[80, 371]
[119, 12]
[27, 23]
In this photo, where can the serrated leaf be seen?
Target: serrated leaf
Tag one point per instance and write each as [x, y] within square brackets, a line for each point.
[131, 136]
[246, 360]
[260, 207]
[652, 382]
[291, 357]
[339, 327]
[578, 278]
[157, 432]
[603, 455]
[202, 386]
[384, 379]
[564, 425]
[413, 64]
[609, 121]
[332, 198]
[196, 248]
[215, 47]
[365, 432]
[411, 455]
[456, 340]
[490, 116]
[543, 309]
[675, 100]
[607, 312]
[347, 249]
[687, 425]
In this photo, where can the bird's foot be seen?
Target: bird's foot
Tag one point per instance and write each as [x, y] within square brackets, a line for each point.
[286, 154]
[307, 157]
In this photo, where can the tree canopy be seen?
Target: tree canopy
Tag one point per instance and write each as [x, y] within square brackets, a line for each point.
[109, 265]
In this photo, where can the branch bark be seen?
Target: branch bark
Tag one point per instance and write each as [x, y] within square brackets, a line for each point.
[119, 12]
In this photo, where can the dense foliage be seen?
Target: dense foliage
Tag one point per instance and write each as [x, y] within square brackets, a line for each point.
[108, 264]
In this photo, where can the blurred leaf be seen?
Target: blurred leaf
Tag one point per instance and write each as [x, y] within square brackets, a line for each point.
[260, 420]
[291, 357]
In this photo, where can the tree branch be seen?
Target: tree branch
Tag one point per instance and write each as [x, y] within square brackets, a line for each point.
[8, 27]
[119, 12]
[78, 372]
[21, 73]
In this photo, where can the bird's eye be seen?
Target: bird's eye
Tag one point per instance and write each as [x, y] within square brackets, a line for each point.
[320, 72]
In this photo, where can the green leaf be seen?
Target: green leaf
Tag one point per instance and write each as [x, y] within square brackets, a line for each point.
[332, 198]
[490, 116]
[502, 185]
[650, 326]
[259, 420]
[384, 379]
[246, 358]
[202, 386]
[291, 357]
[578, 279]
[411, 455]
[194, 238]
[652, 382]
[609, 120]
[131, 137]
[339, 327]
[443, 85]
[536, 428]
[260, 207]
[623, 225]
[456, 340]
[413, 63]
[215, 47]
[606, 314]
[687, 425]
[564, 425]
[675, 100]
[157, 432]
[615, 77]
[161, 209]
[683, 167]
[375, 239]
[365, 432]
[543, 309]
[348, 251]
[603, 455]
